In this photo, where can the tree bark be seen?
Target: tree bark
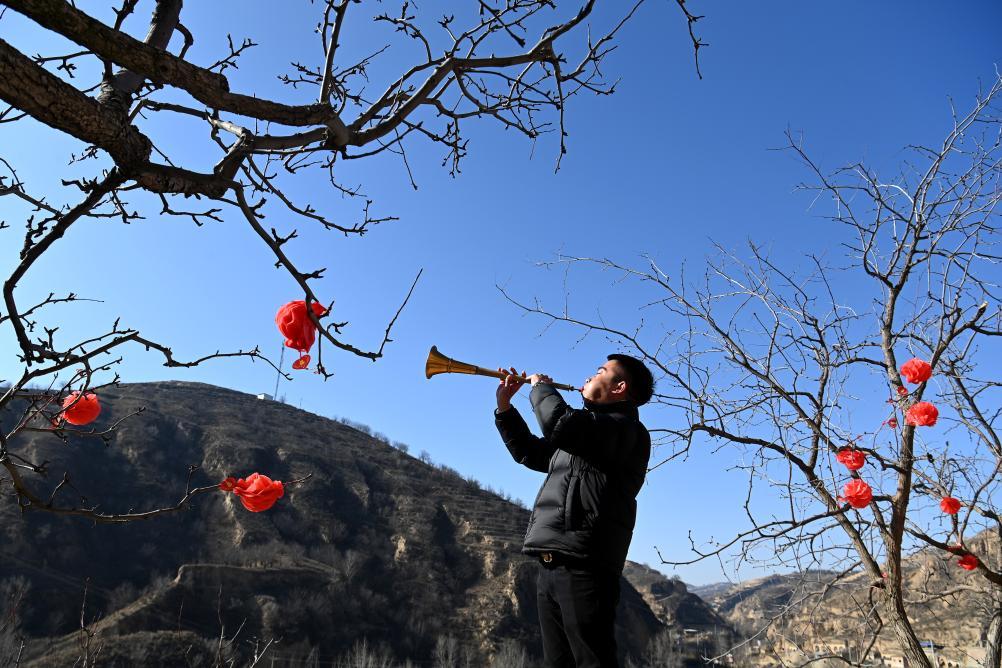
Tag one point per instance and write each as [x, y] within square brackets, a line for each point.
[119, 89]
[49, 99]
[162, 67]
[897, 619]
[993, 641]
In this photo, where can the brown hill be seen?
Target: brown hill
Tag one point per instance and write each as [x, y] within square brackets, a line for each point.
[799, 615]
[671, 600]
[378, 545]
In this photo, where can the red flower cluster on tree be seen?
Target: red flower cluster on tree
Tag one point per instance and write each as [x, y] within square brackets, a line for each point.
[257, 492]
[892, 423]
[81, 410]
[297, 328]
[968, 562]
[922, 414]
[916, 371]
[949, 505]
[851, 458]
[857, 493]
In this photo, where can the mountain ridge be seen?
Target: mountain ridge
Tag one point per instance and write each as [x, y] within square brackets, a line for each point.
[378, 545]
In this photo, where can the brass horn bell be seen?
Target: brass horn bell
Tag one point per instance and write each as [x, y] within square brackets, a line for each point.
[438, 363]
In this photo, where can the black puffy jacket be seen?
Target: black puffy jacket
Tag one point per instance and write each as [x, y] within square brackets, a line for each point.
[595, 459]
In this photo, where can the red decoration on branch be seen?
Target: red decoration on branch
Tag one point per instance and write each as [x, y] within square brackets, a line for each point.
[892, 423]
[922, 414]
[297, 328]
[81, 410]
[902, 391]
[949, 505]
[857, 494]
[968, 562]
[916, 371]
[852, 459]
[257, 492]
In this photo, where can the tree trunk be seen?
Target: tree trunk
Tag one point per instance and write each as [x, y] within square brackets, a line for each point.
[897, 620]
[49, 99]
[118, 91]
[993, 641]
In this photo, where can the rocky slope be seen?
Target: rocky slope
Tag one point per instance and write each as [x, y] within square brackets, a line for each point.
[801, 614]
[672, 601]
[377, 545]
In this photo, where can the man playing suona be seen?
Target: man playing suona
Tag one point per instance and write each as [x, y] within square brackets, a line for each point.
[582, 521]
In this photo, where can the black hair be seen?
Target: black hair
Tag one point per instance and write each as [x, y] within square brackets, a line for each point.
[639, 380]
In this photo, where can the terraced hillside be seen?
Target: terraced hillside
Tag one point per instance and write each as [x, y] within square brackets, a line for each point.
[377, 545]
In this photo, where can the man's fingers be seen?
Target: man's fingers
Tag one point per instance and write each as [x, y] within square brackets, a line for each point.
[510, 380]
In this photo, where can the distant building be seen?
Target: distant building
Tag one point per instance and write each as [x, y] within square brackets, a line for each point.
[824, 646]
[263, 396]
[895, 661]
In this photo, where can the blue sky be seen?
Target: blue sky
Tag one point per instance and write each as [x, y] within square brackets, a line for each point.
[667, 166]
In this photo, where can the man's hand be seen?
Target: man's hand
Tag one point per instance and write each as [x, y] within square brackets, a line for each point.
[508, 386]
[539, 378]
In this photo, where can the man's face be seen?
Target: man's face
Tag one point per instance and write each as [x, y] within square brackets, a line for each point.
[606, 386]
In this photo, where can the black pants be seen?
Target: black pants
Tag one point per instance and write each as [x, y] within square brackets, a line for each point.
[577, 616]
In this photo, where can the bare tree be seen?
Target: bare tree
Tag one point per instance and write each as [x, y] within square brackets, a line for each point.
[362, 655]
[13, 593]
[510, 654]
[662, 650]
[446, 651]
[499, 61]
[793, 370]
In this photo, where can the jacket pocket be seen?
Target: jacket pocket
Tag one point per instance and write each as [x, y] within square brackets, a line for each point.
[572, 505]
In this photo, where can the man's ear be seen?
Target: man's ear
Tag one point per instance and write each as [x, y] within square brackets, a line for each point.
[621, 388]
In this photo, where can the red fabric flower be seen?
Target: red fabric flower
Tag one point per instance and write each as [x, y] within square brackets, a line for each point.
[892, 423]
[949, 505]
[297, 328]
[916, 371]
[922, 414]
[968, 562]
[852, 459]
[257, 492]
[857, 493]
[81, 410]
